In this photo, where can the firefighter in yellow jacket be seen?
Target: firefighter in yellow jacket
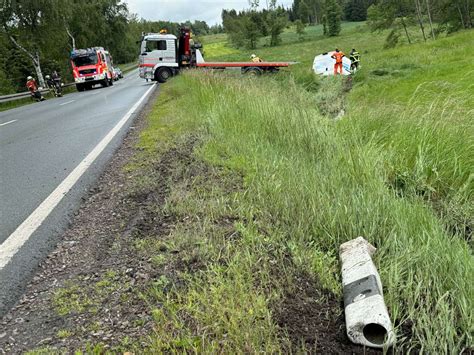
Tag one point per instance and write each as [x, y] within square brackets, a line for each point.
[255, 59]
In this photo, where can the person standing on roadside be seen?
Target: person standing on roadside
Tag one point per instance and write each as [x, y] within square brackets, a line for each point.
[338, 55]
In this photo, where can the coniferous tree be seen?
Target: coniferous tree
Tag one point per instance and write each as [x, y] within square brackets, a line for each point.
[300, 26]
[304, 12]
[276, 22]
[333, 17]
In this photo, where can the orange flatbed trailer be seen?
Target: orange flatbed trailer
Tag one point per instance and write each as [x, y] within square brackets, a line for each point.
[243, 64]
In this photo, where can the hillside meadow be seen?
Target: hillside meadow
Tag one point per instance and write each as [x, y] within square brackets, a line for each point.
[296, 165]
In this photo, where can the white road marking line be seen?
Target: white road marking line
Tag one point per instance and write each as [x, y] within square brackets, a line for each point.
[20, 236]
[65, 103]
[4, 124]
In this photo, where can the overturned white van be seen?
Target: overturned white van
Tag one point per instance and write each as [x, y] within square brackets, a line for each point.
[324, 65]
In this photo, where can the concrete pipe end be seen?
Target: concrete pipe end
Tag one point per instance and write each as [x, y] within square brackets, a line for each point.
[376, 335]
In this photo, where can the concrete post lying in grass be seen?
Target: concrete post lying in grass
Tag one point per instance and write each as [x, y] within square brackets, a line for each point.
[367, 319]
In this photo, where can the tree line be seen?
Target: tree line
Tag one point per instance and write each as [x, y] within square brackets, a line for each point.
[244, 28]
[37, 36]
[432, 17]
[449, 15]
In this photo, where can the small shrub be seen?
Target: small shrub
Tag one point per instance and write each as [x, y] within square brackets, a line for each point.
[300, 26]
[392, 39]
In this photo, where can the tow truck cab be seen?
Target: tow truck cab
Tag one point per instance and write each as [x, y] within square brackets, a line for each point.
[162, 55]
[91, 66]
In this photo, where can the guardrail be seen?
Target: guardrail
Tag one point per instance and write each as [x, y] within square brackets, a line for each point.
[22, 95]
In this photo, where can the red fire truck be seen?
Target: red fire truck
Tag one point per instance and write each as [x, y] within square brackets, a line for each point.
[91, 66]
[164, 55]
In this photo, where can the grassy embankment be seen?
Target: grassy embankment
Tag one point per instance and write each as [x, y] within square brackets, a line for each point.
[397, 169]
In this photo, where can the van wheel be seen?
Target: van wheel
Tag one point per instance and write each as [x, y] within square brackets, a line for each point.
[163, 74]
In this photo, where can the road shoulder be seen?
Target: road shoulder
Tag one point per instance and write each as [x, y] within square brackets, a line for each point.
[91, 271]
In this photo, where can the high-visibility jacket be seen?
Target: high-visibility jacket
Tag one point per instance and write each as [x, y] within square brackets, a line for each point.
[338, 56]
[355, 56]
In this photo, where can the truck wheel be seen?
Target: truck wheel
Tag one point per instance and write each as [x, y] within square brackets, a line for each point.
[80, 87]
[111, 82]
[105, 82]
[163, 74]
[253, 71]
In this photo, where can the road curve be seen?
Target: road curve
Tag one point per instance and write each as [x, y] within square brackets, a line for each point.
[40, 145]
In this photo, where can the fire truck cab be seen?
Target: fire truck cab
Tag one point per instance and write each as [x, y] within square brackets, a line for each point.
[91, 66]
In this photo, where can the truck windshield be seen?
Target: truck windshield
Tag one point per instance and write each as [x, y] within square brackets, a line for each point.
[90, 59]
[155, 45]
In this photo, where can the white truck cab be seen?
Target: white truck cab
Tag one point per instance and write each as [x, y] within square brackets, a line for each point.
[158, 56]
[164, 55]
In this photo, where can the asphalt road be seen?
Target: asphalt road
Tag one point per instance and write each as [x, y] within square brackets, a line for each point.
[40, 145]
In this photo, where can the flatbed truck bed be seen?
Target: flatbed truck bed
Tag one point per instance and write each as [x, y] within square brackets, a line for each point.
[243, 64]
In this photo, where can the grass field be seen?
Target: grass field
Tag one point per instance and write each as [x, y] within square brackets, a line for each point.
[397, 168]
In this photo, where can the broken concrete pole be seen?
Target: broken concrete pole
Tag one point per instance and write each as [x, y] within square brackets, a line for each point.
[367, 319]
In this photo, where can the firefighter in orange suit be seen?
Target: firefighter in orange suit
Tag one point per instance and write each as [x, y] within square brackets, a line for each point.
[338, 55]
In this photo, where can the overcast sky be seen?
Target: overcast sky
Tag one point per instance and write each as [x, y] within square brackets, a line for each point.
[182, 10]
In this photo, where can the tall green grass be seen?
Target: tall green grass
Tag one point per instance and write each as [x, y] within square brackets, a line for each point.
[314, 183]
[397, 168]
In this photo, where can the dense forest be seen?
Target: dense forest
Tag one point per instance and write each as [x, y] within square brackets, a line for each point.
[40, 34]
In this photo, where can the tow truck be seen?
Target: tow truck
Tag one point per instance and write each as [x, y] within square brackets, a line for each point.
[163, 56]
[91, 66]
